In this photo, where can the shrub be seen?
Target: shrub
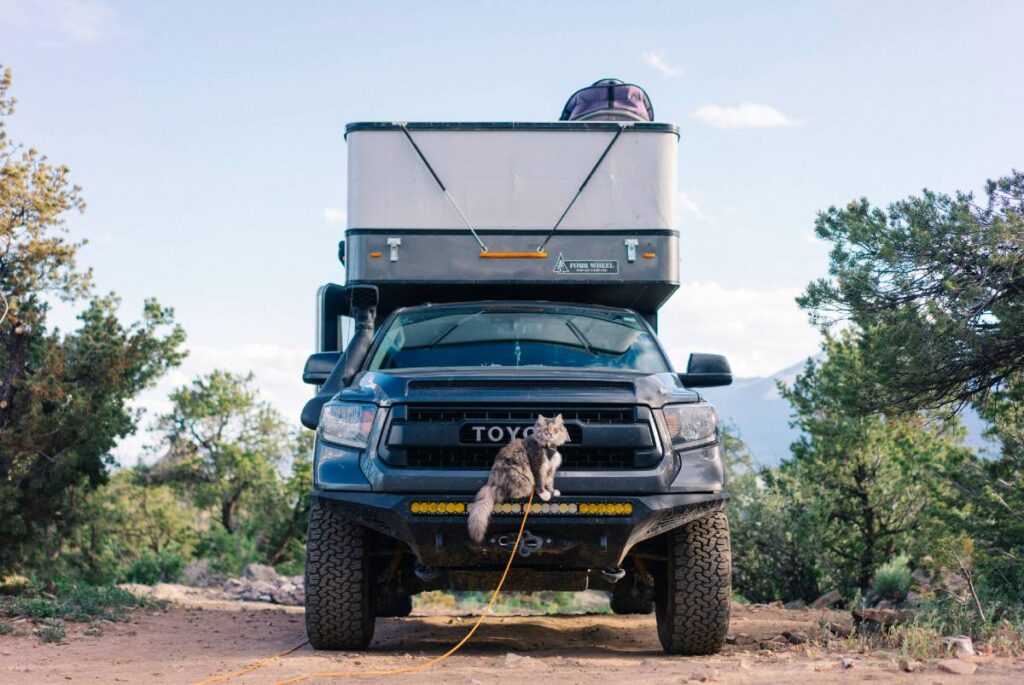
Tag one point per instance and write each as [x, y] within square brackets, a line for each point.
[50, 633]
[156, 567]
[892, 579]
[6, 629]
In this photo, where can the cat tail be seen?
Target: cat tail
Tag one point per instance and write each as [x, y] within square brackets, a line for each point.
[480, 511]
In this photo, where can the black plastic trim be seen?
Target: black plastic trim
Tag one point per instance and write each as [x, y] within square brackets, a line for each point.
[609, 126]
[515, 231]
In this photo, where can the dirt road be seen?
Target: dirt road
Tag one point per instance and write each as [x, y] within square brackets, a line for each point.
[187, 643]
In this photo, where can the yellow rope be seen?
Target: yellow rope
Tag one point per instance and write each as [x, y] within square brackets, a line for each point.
[397, 671]
[251, 667]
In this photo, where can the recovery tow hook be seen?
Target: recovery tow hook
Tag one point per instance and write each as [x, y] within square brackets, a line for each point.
[530, 544]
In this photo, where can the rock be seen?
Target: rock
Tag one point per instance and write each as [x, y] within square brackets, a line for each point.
[775, 644]
[741, 639]
[795, 637]
[53, 622]
[880, 620]
[260, 572]
[910, 666]
[516, 661]
[914, 599]
[234, 586]
[846, 662]
[960, 645]
[796, 604]
[197, 574]
[14, 584]
[957, 667]
[885, 604]
[826, 600]
[777, 604]
[840, 630]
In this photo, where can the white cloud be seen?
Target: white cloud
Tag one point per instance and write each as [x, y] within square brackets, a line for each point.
[746, 115]
[84, 22]
[657, 60]
[333, 215]
[760, 331]
[688, 204]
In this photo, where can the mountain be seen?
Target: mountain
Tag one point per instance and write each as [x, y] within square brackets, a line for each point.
[755, 408]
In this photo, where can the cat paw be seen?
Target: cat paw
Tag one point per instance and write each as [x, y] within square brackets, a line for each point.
[545, 496]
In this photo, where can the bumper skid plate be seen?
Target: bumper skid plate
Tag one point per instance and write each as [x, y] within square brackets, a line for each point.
[598, 534]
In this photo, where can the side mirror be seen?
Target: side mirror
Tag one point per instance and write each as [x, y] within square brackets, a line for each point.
[706, 371]
[319, 367]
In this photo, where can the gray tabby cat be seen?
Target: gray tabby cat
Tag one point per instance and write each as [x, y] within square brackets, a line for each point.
[520, 466]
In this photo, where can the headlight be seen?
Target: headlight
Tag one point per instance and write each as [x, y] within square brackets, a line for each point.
[690, 425]
[347, 424]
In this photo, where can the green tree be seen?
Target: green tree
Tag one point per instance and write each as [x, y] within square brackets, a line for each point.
[63, 396]
[773, 529]
[936, 285]
[224, 443]
[130, 522]
[880, 484]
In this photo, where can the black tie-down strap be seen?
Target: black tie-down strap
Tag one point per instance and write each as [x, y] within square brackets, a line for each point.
[622, 127]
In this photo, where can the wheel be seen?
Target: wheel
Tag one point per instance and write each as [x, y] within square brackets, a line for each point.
[692, 600]
[630, 596]
[339, 606]
[392, 601]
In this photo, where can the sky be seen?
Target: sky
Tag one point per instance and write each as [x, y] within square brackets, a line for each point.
[207, 137]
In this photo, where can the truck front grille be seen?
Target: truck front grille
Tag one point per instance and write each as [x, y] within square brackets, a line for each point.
[477, 458]
[429, 436]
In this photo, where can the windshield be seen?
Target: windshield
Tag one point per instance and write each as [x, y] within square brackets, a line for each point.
[496, 337]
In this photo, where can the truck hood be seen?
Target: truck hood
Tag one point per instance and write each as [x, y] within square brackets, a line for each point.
[518, 386]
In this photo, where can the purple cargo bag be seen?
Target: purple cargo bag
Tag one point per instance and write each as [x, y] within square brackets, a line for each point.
[608, 100]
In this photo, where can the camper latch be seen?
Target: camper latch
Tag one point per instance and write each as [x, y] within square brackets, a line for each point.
[393, 244]
[631, 244]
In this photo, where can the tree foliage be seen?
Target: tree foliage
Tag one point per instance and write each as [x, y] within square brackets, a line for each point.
[880, 484]
[223, 442]
[936, 285]
[63, 396]
[772, 527]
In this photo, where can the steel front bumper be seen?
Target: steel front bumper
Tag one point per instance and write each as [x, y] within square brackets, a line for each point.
[556, 541]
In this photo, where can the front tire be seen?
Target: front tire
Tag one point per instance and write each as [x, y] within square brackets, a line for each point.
[339, 606]
[692, 600]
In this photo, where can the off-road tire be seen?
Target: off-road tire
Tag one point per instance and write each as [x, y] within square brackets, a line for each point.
[630, 596]
[339, 605]
[392, 602]
[692, 597]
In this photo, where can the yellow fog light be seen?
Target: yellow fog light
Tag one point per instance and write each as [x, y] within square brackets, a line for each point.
[563, 508]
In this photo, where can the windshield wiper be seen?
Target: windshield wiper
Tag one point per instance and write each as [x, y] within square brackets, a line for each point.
[451, 328]
[579, 336]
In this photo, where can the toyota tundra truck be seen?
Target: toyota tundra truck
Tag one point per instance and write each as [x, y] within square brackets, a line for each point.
[494, 272]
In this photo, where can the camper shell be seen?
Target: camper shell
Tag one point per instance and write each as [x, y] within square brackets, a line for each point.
[567, 219]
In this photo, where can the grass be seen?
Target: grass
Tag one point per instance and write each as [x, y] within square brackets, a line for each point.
[50, 633]
[73, 602]
[514, 602]
[6, 629]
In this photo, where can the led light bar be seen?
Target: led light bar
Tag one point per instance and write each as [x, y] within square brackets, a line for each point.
[512, 508]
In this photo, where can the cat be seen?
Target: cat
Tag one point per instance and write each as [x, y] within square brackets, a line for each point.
[522, 465]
